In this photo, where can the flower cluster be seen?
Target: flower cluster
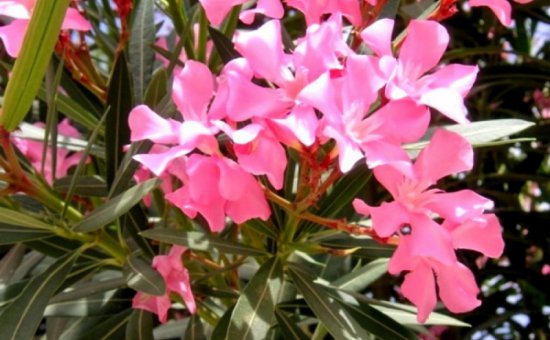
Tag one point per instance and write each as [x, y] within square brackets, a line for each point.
[235, 127]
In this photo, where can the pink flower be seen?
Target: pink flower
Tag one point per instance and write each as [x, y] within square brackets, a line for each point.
[13, 33]
[217, 187]
[444, 89]
[176, 277]
[426, 248]
[545, 269]
[314, 10]
[501, 8]
[65, 158]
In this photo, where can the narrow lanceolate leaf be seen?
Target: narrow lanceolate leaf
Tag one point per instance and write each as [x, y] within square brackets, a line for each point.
[33, 61]
[406, 315]
[140, 326]
[115, 207]
[141, 276]
[196, 240]
[289, 330]
[112, 328]
[10, 234]
[142, 56]
[254, 315]
[370, 318]
[103, 304]
[22, 317]
[157, 88]
[333, 315]
[120, 102]
[477, 133]
[361, 278]
[220, 330]
[195, 330]
[16, 218]
[93, 186]
[223, 45]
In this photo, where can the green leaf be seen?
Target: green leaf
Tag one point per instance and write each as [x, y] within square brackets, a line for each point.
[195, 330]
[102, 304]
[115, 207]
[93, 186]
[220, 330]
[15, 218]
[141, 276]
[74, 111]
[332, 314]
[132, 223]
[373, 320]
[406, 315]
[253, 314]
[261, 227]
[289, 329]
[223, 45]
[389, 11]
[112, 328]
[32, 62]
[361, 278]
[9, 263]
[200, 241]
[22, 317]
[142, 56]
[120, 101]
[140, 326]
[157, 89]
[477, 133]
[10, 234]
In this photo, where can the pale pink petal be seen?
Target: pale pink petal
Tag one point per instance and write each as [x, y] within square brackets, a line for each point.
[233, 180]
[349, 152]
[242, 136]
[457, 288]
[264, 156]
[194, 134]
[417, 61]
[419, 288]
[12, 35]
[447, 101]
[378, 37]
[204, 174]
[144, 123]
[255, 45]
[363, 79]
[192, 90]
[390, 178]
[16, 9]
[75, 21]
[459, 78]
[482, 234]
[388, 218]
[216, 10]
[501, 8]
[66, 129]
[301, 123]
[460, 205]
[401, 120]
[270, 8]
[158, 162]
[435, 161]
[430, 240]
[380, 152]
[252, 205]
[321, 94]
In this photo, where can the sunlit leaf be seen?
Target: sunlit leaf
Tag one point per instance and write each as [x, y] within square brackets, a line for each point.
[253, 314]
[141, 276]
[196, 240]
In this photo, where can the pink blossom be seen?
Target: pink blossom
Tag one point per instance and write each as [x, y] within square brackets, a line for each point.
[13, 33]
[65, 158]
[314, 10]
[176, 277]
[426, 248]
[545, 269]
[444, 89]
[501, 8]
[217, 187]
